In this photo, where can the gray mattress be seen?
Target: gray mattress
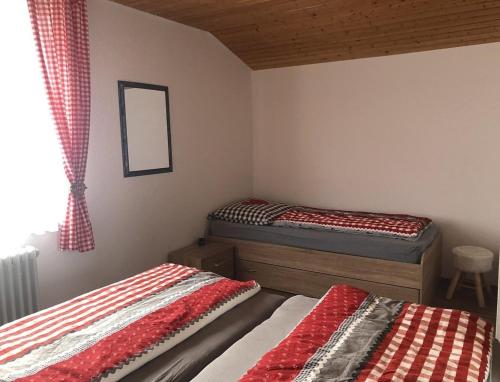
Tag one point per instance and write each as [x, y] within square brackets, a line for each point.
[378, 247]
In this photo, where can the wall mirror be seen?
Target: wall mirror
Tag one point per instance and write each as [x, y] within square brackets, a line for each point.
[145, 128]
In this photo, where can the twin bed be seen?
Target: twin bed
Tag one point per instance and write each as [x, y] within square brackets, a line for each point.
[305, 250]
[175, 323]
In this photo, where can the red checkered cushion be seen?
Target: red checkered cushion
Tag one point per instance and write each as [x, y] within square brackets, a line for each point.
[392, 225]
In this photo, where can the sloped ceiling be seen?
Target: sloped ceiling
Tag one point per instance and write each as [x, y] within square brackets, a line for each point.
[278, 33]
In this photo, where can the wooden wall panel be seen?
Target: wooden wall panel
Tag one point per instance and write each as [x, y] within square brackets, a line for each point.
[277, 33]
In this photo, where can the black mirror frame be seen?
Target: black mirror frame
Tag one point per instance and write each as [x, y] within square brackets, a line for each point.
[122, 85]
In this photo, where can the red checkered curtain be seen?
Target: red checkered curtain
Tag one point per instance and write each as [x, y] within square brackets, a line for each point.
[61, 33]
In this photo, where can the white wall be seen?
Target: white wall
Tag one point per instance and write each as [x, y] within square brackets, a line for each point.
[416, 133]
[138, 220]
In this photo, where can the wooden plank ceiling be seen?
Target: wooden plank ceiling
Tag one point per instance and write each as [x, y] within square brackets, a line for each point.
[277, 33]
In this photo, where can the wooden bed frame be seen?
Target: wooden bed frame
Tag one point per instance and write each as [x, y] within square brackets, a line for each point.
[311, 272]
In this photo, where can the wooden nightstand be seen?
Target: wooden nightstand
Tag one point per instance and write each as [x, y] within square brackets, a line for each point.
[212, 257]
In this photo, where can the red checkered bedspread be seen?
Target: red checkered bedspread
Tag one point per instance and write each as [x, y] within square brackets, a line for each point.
[400, 226]
[351, 335]
[95, 335]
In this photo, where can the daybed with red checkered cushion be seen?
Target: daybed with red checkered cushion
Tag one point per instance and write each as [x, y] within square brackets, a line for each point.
[304, 250]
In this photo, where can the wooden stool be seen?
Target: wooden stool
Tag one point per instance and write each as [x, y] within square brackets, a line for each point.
[476, 260]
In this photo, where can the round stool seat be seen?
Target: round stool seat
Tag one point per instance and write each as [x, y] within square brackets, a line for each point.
[468, 258]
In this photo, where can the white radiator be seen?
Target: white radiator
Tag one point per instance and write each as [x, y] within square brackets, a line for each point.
[18, 285]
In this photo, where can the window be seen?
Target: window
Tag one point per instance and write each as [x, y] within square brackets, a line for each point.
[33, 186]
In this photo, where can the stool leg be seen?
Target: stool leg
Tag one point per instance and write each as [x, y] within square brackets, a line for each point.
[460, 283]
[486, 285]
[479, 290]
[453, 284]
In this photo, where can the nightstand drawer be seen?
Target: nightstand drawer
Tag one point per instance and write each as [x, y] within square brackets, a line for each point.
[212, 257]
[222, 264]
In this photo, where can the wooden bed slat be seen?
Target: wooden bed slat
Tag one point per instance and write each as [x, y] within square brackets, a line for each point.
[430, 271]
[313, 284]
[311, 272]
[375, 270]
